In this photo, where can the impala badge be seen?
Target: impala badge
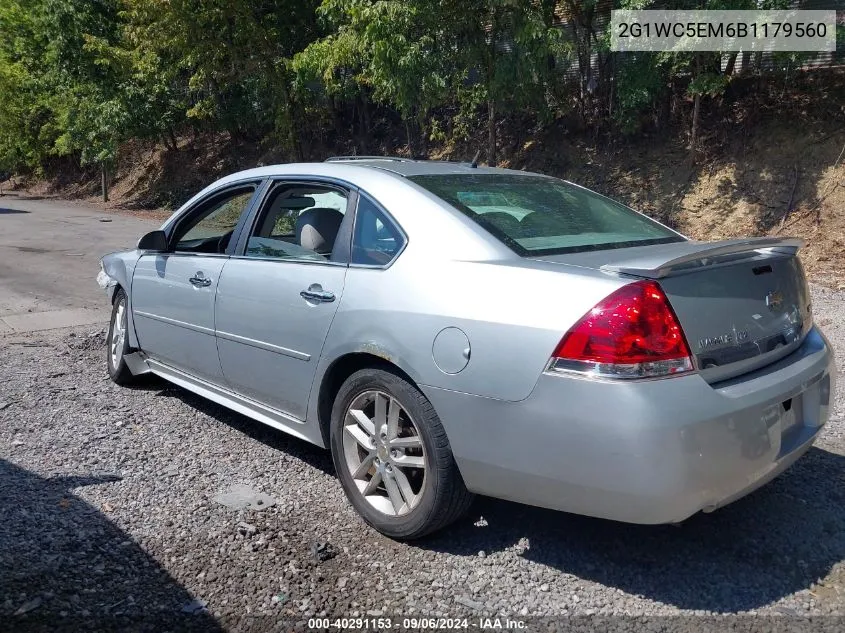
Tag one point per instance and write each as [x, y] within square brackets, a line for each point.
[736, 337]
[774, 300]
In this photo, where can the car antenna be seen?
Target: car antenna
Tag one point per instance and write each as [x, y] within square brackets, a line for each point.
[474, 163]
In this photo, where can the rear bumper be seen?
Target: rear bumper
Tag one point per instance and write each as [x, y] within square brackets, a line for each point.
[643, 452]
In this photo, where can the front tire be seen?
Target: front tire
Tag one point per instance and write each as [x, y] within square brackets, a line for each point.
[393, 458]
[117, 343]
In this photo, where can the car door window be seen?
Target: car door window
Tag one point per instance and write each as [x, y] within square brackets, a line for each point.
[298, 222]
[376, 240]
[211, 230]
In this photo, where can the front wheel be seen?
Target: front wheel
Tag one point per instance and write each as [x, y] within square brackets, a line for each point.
[118, 342]
[393, 458]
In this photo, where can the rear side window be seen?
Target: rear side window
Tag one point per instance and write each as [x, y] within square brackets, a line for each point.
[298, 222]
[375, 241]
[544, 216]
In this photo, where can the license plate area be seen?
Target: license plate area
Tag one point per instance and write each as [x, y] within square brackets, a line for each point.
[792, 413]
[791, 423]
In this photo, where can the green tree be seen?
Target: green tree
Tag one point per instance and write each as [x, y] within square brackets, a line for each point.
[418, 55]
[63, 99]
[227, 58]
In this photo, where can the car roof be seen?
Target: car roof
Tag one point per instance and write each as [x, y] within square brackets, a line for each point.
[414, 167]
[350, 166]
[385, 179]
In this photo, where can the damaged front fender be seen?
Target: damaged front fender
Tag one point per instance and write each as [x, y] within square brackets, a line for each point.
[106, 282]
[116, 272]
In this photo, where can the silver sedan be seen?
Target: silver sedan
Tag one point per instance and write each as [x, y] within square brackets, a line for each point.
[450, 330]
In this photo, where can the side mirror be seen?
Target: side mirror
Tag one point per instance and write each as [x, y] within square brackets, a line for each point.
[155, 241]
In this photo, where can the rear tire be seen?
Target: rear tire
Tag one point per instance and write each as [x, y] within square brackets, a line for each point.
[117, 343]
[393, 458]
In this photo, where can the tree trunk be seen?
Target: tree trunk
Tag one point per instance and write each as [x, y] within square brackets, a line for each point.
[745, 63]
[694, 133]
[363, 116]
[423, 138]
[491, 132]
[491, 77]
[294, 140]
[695, 111]
[408, 135]
[730, 66]
[368, 123]
[166, 141]
[580, 21]
[104, 181]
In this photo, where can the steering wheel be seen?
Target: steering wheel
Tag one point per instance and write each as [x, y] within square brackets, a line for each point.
[223, 243]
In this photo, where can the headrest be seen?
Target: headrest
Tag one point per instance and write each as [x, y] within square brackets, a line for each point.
[316, 229]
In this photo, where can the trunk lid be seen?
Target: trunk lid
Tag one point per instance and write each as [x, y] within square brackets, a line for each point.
[741, 303]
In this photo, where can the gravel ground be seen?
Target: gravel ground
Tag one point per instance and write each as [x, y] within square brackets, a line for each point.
[109, 518]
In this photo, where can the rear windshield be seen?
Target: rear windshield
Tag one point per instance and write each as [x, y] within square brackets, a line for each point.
[545, 216]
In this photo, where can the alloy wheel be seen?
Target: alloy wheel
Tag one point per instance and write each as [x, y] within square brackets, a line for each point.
[384, 452]
[118, 334]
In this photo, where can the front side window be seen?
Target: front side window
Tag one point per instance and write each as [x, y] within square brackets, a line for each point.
[211, 230]
[534, 215]
[298, 222]
[375, 241]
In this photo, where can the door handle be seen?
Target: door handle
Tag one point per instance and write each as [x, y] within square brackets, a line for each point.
[315, 292]
[200, 280]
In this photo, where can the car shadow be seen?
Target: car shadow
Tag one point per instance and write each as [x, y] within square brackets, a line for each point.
[64, 566]
[277, 440]
[775, 542]
[4, 211]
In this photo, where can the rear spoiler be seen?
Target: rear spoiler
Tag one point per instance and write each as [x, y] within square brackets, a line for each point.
[687, 256]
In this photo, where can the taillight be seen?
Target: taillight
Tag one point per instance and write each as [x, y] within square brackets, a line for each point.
[631, 333]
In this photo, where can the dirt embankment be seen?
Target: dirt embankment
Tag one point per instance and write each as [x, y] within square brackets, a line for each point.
[775, 179]
[773, 166]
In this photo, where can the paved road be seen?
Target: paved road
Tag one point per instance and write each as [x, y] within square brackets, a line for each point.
[49, 254]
